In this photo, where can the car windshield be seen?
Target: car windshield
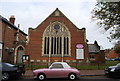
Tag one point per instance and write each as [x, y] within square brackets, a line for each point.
[9, 65]
[118, 64]
[59, 65]
[66, 65]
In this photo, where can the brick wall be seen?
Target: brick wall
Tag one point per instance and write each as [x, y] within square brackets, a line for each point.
[111, 54]
[34, 47]
[8, 38]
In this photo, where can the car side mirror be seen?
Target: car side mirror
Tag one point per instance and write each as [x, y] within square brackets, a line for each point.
[50, 68]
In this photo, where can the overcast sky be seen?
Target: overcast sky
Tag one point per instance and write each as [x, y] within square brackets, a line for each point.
[30, 13]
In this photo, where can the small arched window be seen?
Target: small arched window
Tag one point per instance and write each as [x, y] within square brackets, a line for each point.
[20, 48]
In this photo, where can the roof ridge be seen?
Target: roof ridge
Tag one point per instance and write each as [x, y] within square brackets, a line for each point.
[8, 22]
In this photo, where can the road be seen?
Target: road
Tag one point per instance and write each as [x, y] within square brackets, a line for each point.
[95, 78]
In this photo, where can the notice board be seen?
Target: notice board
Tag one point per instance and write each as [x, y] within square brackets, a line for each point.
[79, 54]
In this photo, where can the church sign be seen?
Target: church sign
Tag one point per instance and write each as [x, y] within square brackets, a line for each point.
[79, 51]
[79, 46]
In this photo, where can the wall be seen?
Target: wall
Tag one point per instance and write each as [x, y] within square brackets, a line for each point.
[8, 37]
[34, 47]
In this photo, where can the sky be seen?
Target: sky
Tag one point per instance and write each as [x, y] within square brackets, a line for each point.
[29, 13]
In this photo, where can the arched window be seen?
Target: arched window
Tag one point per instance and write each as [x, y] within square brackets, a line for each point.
[56, 40]
[20, 48]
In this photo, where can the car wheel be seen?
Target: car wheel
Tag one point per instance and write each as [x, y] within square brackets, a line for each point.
[41, 77]
[5, 76]
[72, 76]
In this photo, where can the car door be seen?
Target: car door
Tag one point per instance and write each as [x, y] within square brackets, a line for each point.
[56, 70]
[118, 70]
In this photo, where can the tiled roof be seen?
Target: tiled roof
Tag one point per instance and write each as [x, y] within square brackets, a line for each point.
[93, 48]
[9, 23]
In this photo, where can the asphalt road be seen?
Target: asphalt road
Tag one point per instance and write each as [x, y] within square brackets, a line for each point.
[98, 78]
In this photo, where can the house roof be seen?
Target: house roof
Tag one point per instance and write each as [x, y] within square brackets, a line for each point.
[101, 48]
[93, 48]
[13, 26]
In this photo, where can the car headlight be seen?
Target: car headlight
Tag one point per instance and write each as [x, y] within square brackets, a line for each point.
[112, 70]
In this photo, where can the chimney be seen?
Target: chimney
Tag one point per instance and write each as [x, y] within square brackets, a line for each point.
[12, 19]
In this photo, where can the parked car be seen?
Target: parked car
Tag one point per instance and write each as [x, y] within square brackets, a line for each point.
[11, 71]
[117, 59]
[113, 71]
[57, 70]
[108, 59]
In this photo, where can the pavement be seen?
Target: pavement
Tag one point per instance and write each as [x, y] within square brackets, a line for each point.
[84, 73]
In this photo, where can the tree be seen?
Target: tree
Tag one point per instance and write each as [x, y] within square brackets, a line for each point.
[117, 48]
[107, 15]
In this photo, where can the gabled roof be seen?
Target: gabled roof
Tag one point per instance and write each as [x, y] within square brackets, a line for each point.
[101, 48]
[13, 26]
[93, 48]
[58, 13]
[62, 15]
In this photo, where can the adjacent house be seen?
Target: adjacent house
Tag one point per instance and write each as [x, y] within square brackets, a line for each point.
[110, 54]
[12, 40]
[96, 53]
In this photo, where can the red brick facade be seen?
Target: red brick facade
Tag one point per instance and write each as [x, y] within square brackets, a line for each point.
[96, 53]
[111, 54]
[35, 40]
[12, 38]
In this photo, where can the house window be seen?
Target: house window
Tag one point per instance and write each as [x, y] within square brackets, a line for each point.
[20, 48]
[10, 27]
[56, 40]
[92, 56]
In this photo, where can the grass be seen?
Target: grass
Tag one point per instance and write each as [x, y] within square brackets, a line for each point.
[83, 67]
[90, 67]
[97, 67]
[112, 62]
[32, 67]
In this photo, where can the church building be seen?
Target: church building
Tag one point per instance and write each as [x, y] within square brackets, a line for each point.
[57, 39]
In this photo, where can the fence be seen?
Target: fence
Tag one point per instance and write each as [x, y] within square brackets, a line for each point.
[78, 65]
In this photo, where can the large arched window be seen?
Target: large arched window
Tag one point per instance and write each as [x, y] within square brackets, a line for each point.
[56, 40]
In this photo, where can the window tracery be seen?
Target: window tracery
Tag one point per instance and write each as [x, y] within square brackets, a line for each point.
[56, 40]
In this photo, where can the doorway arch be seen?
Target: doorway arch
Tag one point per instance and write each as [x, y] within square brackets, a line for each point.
[19, 52]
